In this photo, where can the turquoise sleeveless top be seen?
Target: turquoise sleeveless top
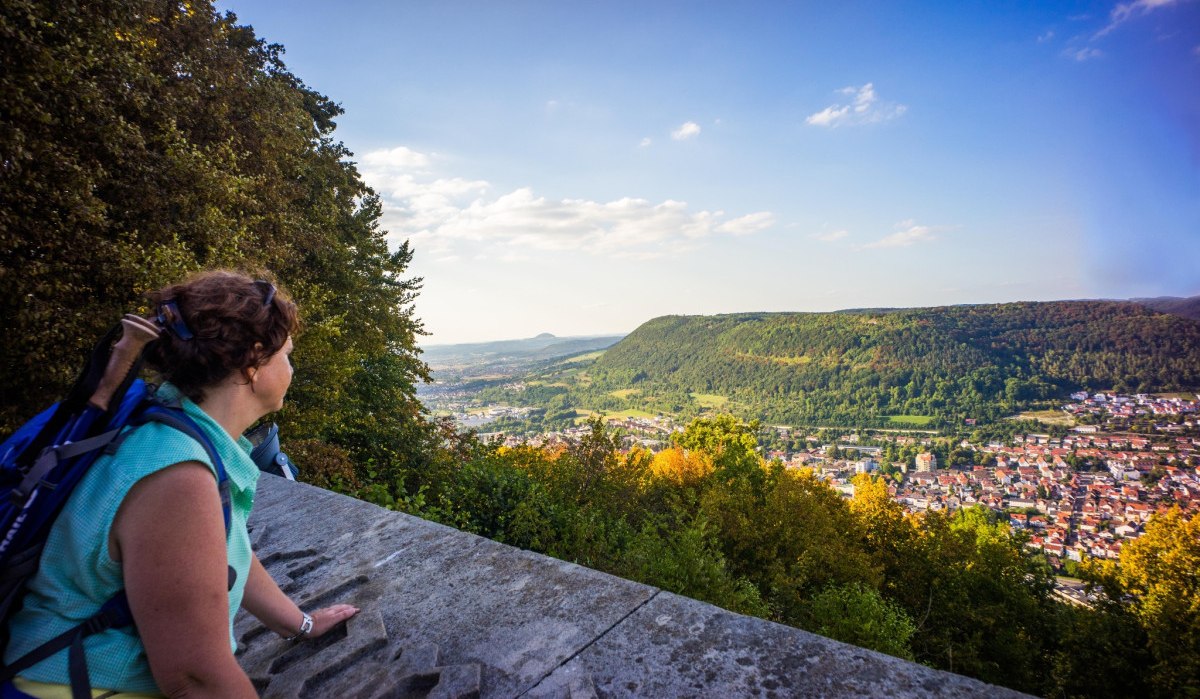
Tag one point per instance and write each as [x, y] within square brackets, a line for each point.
[77, 576]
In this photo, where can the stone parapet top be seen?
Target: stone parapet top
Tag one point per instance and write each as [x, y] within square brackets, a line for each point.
[450, 614]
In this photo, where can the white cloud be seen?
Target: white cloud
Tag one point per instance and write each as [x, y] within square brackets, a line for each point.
[832, 236]
[1196, 51]
[1083, 54]
[398, 157]
[689, 129]
[1126, 10]
[866, 108]
[451, 214]
[1046, 37]
[828, 116]
[907, 233]
[645, 142]
[750, 223]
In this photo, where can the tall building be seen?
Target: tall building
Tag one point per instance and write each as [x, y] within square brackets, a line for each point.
[926, 462]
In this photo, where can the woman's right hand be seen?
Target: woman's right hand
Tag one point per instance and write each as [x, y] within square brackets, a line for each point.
[329, 617]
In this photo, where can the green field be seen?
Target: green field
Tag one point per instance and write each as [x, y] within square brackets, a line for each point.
[590, 356]
[621, 415]
[625, 393]
[917, 420]
[584, 414]
[1048, 417]
[710, 400]
[785, 361]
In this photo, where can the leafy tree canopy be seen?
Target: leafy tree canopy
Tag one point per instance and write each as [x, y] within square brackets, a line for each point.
[142, 140]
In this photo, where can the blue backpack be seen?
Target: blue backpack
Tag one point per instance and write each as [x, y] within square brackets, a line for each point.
[43, 461]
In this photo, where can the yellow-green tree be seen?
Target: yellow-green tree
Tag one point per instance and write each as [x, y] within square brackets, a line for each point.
[1157, 580]
[792, 535]
[730, 443]
[889, 534]
[682, 468]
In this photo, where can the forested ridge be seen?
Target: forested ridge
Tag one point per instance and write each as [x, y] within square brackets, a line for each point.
[852, 367]
[1186, 307]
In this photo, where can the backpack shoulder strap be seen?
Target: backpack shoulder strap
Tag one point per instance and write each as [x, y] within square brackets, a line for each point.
[179, 420]
[113, 615]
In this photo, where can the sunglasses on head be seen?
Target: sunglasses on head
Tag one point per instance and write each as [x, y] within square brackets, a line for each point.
[268, 290]
[169, 317]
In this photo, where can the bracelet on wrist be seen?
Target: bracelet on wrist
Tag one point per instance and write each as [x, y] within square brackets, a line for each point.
[306, 625]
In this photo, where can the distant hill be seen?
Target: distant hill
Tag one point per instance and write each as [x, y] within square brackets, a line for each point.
[1185, 307]
[951, 362]
[543, 346]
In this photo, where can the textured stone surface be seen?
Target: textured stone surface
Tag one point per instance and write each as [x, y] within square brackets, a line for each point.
[448, 614]
[674, 646]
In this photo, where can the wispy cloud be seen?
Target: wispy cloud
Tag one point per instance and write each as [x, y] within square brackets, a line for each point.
[1046, 37]
[1084, 54]
[832, 236]
[645, 142]
[907, 233]
[457, 216]
[1127, 10]
[745, 225]
[686, 130]
[866, 108]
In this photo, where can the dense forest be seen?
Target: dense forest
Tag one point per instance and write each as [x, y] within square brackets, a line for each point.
[143, 140]
[859, 367]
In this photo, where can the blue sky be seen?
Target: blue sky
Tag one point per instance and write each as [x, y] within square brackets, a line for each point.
[579, 168]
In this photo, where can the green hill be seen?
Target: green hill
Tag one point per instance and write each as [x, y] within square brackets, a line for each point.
[858, 367]
[544, 346]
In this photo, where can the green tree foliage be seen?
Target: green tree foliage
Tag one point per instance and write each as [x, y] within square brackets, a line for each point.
[732, 443]
[686, 559]
[1102, 652]
[858, 614]
[142, 140]
[790, 534]
[981, 603]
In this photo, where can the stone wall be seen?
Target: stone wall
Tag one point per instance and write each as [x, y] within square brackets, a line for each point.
[448, 614]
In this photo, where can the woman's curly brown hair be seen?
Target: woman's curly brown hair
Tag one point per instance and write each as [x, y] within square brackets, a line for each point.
[233, 328]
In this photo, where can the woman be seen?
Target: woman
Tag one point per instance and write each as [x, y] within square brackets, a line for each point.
[149, 520]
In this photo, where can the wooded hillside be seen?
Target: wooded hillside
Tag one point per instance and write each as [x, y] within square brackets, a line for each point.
[955, 362]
